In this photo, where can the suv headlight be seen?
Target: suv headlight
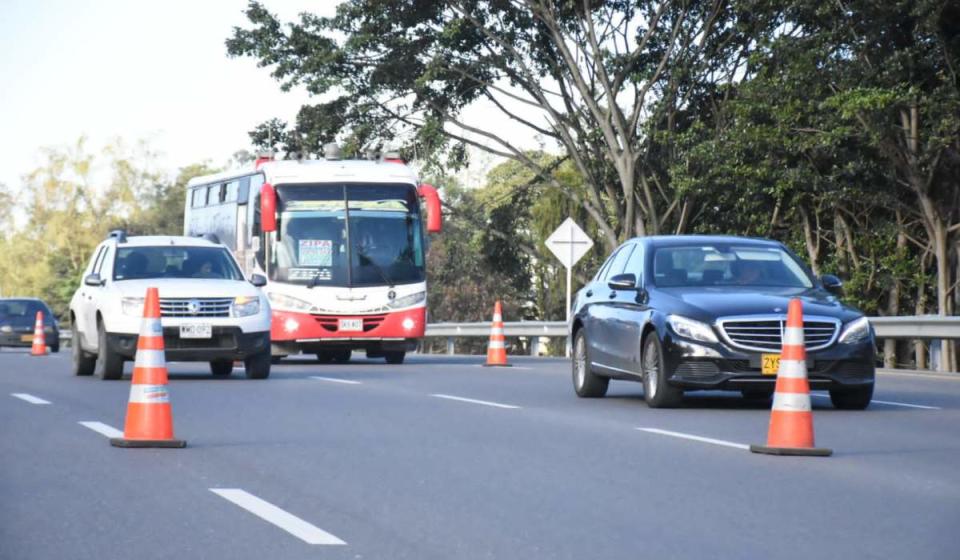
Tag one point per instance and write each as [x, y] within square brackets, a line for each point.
[132, 306]
[289, 303]
[688, 328]
[407, 301]
[245, 306]
[856, 331]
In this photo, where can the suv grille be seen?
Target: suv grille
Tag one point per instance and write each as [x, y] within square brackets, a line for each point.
[195, 307]
[765, 335]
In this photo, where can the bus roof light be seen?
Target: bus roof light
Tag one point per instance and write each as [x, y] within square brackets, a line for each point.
[393, 156]
[262, 158]
[331, 151]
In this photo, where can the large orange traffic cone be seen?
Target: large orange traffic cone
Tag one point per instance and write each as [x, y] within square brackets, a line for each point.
[496, 349]
[149, 416]
[791, 420]
[39, 346]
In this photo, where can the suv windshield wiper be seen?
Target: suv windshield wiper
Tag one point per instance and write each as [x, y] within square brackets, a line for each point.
[366, 260]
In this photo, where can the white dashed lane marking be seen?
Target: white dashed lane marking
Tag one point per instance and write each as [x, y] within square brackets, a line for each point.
[102, 429]
[310, 534]
[335, 380]
[29, 398]
[695, 438]
[473, 401]
[890, 403]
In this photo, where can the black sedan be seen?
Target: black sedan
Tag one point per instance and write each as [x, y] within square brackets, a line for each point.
[18, 317]
[683, 313]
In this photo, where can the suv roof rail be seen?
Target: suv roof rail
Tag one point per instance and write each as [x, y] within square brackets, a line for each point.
[118, 234]
[211, 237]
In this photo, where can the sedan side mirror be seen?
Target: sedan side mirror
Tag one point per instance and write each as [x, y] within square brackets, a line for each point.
[93, 280]
[258, 280]
[831, 283]
[626, 281]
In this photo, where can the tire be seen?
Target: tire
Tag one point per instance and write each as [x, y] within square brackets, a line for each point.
[55, 348]
[258, 365]
[852, 399]
[585, 383]
[83, 363]
[395, 357]
[324, 357]
[656, 391]
[341, 356]
[109, 364]
[221, 368]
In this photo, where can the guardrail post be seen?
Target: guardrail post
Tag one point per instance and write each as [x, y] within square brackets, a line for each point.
[450, 348]
[534, 345]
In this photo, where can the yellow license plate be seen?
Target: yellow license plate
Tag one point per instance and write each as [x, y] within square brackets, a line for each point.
[769, 364]
[26, 338]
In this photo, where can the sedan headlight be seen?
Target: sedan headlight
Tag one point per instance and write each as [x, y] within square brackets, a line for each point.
[289, 303]
[6, 329]
[688, 328]
[245, 306]
[132, 306]
[856, 331]
[407, 301]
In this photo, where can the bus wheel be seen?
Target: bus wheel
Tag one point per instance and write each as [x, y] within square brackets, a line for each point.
[395, 357]
[324, 357]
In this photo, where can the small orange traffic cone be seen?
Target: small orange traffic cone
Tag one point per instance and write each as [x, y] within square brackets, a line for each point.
[39, 346]
[149, 416]
[496, 350]
[791, 420]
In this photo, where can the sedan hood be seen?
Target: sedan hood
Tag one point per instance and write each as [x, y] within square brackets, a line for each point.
[187, 288]
[708, 303]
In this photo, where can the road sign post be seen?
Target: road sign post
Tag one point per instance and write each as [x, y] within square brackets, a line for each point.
[569, 244]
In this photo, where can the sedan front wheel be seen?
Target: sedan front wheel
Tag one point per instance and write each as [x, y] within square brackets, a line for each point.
[656, 391]
[586, 383]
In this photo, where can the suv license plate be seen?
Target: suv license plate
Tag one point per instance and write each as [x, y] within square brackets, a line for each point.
[354, 325]
[196, 331]
[769, 364]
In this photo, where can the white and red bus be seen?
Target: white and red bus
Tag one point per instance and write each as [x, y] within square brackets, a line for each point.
[341, 242]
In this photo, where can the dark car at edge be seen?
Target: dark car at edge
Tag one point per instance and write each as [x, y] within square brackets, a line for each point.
[682, 313]
[18, 319]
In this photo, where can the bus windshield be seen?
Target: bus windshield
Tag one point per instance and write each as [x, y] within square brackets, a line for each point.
[348, 235]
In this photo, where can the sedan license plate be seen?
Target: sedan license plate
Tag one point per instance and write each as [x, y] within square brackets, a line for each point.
[769, 364]
[26, 338]
[354, 325]
[200, 330]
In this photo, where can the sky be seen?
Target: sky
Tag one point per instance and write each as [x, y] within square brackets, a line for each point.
[137, 70]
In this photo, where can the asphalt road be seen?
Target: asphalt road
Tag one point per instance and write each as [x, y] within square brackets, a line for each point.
[440, 459]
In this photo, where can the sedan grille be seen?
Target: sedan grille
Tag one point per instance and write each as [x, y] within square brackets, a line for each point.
[766, 334]
[196, 307]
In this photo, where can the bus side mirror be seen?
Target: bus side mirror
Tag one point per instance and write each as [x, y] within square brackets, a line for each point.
[432, 200]
[268, 208]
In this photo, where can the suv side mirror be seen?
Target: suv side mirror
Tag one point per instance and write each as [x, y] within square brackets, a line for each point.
[831, 283]
[626, 281]
[258, 280]
[93, 280]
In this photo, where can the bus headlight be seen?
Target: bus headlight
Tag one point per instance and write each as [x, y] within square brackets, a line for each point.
[281, 301]
[407, 301]
[245, 306]
[132, 306]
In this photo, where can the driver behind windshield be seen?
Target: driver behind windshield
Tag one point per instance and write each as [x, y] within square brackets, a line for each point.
[745, 272]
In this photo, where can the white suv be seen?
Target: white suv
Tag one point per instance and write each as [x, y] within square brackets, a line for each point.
[209, 312]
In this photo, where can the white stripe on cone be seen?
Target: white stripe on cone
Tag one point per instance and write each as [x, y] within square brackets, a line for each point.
[151, 327]
[150, 359]
[496, 344]
[791, 402]
[496, 330]
[149, 394]
[793, 336]
[793, 369]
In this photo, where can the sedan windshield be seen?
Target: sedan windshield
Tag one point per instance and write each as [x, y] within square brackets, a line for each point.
[727, 265]
[14, 310]
[139, 263]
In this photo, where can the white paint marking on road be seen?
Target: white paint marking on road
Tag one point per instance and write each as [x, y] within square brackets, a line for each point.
[29, 398]
[102, 428]
[335, 380]
[474, 401]
[290, 523]
[503, 368]
[875, 401]
[695, 438]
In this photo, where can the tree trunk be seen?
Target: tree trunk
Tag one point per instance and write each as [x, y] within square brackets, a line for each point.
[893, 301]
[812, 242]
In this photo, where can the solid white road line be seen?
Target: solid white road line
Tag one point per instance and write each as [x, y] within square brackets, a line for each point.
[695, 438]
[335, 380]
[29, 398]
[102, 428]
[290, 523]
[474, 401]
[908, 405]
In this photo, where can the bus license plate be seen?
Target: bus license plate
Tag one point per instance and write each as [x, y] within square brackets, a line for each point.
[769, 364]
[354, 325]
[200, 330]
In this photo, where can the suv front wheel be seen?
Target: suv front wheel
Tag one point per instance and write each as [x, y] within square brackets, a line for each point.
[257, 366]
[109, 364]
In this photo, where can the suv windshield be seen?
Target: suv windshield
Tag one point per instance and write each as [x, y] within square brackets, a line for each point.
[727, 265]
[138, 263]
[348, 235]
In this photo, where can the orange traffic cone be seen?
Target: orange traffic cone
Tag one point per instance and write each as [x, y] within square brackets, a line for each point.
[39, 346]
[149, 416]
[791, 420]
[496, 350]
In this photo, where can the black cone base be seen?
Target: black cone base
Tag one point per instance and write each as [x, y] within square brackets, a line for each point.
[802, 451]
[121, 442]
[497, 365]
